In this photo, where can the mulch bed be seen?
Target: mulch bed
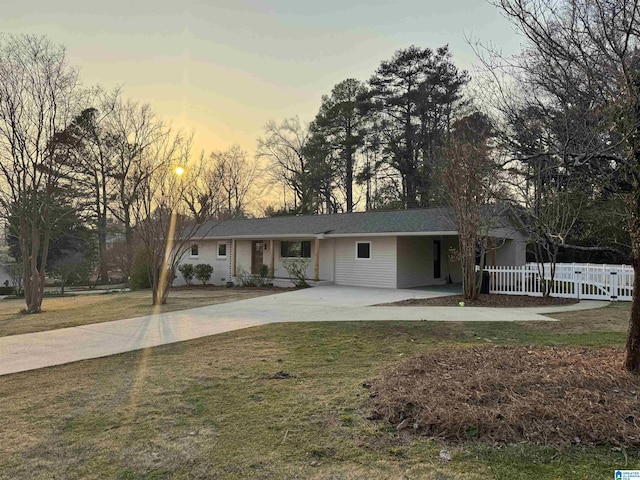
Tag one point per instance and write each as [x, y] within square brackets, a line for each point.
[493, 300]
[501, 395]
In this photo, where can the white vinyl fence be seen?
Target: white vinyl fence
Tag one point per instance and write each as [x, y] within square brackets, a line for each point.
[571, 280]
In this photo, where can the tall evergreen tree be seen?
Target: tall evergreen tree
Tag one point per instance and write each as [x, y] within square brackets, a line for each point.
[338, 132]
[415, 95]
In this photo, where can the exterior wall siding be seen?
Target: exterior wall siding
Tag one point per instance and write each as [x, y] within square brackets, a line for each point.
[396, 262]
[514, 250]
[208, 253]
[415, 262]
[326, 260]
[378, 271]
[512, 253]
[243, 256]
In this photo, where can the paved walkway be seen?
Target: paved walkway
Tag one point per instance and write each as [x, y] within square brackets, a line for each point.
[328, 303]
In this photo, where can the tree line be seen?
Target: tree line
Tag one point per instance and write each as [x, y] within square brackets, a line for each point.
[372, 145]
[80, 164]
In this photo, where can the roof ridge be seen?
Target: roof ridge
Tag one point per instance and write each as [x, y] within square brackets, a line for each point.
[337, 214]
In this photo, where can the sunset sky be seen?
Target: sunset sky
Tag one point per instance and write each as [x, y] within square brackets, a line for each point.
[224, 67]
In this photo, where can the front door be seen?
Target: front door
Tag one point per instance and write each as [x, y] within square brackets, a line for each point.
[257, 249]
[436, 259]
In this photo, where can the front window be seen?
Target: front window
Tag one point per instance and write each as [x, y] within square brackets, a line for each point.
[295, 249]
[222, 249]
[194, 250]
[363, 250]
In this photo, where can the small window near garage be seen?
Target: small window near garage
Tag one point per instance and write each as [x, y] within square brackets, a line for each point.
[295, 249]
[363, 250]
[194, 251]
[222, 249]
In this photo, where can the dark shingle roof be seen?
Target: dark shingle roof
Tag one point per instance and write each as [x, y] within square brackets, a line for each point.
[380, 222]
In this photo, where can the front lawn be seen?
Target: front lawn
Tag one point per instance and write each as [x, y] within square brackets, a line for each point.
[216, 408]
[61, 312]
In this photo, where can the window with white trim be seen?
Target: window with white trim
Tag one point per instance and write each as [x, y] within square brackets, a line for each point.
[194, 251]
[222, 249]
[363, 250]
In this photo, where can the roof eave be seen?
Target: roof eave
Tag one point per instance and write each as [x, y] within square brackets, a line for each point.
[328, 235]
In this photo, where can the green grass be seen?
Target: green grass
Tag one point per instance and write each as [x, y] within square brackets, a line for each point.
[207, 409]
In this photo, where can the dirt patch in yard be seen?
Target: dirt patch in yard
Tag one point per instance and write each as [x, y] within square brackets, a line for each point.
[505, 395]
[493, 300]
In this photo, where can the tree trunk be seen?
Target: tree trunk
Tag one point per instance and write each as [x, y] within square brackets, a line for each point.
[632, 349]
[33, 279]
[128, 238]
[34, 292]
[160, 290]
[102, 249]
[156, 296]
[160, 295]
[412, 192]
[102, 246]
[478, 276]
[349, 179]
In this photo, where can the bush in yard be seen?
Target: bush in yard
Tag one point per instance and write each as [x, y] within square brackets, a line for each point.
[245, 279]
[188, 272]
[4, 290]
[297, 270]
[71, 271]
[261, 279]
[264, 273]
[203, 272]
[140, 274]
[16, 274]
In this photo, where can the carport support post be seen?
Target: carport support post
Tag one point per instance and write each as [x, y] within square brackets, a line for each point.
[316, 271]
[271, 259]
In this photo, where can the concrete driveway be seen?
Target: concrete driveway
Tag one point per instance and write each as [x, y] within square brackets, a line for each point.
[327, 303]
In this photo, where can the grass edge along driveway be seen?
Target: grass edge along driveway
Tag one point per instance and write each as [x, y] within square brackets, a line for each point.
[62, 312]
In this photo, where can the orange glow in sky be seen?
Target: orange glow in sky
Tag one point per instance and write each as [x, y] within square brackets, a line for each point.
[223, 68]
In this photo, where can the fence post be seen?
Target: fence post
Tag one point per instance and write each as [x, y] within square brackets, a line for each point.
[613, 285]
[577, 283]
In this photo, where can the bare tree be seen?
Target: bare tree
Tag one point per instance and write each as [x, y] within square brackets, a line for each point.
[545, 207]
[588, 49]
[135, 133]
[469, 176]
[95, 160]
[171, 206]
[237, 179]
[38, 93]
[136, 130]
[283, 147]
